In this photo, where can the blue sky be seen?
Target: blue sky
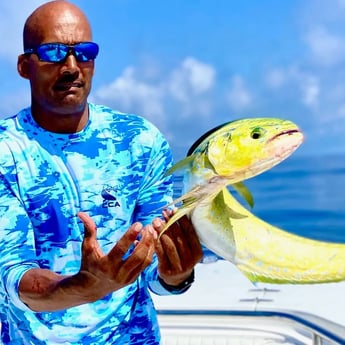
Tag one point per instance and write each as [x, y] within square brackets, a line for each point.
[191, 65]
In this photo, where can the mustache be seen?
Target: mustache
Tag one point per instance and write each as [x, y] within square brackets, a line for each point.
[68, 78]
[67, 81]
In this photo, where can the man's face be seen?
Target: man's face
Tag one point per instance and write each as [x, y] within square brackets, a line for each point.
[62, 87]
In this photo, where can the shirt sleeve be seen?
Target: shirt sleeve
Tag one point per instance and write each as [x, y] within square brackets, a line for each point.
[17, 251]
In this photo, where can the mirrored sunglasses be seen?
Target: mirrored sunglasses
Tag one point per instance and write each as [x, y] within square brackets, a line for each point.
[58, 52]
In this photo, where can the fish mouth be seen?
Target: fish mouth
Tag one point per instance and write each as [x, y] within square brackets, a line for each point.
[286, 132]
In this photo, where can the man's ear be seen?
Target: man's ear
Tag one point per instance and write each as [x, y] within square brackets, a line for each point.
[23, 66]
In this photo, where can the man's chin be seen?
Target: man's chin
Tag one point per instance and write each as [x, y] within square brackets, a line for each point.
[71, 103]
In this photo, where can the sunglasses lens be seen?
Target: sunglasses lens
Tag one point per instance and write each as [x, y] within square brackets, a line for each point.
[57, 52]
[86, 51]
[52, 52]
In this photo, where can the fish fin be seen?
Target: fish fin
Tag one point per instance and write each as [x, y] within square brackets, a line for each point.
[244, 192]
[205, 138]
[187, 198]
[189, 201]
[225, 198]
[182, 164]
[179, 213]
[197, 194]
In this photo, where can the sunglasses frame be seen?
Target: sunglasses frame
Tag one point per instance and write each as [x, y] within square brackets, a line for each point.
[71, 49]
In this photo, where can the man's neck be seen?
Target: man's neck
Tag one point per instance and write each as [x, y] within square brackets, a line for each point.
[61, 122]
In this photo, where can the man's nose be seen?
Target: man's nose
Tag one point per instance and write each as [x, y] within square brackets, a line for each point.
[71, 63]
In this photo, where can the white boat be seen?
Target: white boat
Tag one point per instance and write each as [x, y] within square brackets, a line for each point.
[224, 307]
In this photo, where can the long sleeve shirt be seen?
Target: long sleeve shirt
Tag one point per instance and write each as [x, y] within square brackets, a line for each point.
[113, 170]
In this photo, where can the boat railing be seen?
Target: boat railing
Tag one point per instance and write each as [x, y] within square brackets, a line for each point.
[248, 327]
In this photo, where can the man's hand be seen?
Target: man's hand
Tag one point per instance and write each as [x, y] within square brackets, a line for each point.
[100, 274]
[178, 249]
[116, 269]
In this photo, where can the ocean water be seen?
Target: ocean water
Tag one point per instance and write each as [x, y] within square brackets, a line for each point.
[304, 195]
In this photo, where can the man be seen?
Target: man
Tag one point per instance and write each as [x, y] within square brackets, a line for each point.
[80, 186]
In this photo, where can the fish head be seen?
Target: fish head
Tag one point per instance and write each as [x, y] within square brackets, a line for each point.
[247, 147]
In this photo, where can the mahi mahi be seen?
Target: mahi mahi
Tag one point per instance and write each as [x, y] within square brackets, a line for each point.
[225, 156]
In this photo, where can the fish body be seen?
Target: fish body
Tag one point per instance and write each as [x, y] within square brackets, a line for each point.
[226, 156]
[263, 252]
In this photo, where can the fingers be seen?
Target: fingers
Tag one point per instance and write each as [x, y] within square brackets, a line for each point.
[135, 249]
[191, 236]
[90, 247]
[171, 245]
[130, 256]
[167, 214]
[143, 252]
[168, 251]
[121, 248]
[178, 248]
[90, 229]
[125, 261]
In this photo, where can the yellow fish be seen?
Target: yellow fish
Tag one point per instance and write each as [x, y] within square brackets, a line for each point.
[226, 156]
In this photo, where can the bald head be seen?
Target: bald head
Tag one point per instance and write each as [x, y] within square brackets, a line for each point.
[56, 21]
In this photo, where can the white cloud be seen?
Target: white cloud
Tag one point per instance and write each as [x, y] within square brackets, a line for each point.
[183, 89]
[276, 78]
[294, 79]
[327, 48]
[189, 86]
[128, 93]
[191, 78]
[239, 96]
[310, 91]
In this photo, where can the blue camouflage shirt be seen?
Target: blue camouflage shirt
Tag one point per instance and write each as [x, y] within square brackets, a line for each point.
[113, 170]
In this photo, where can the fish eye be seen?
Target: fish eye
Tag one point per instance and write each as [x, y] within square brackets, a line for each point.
[257, 133]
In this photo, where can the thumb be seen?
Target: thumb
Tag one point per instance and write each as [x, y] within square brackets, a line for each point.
[90, 247]
[90, 229]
